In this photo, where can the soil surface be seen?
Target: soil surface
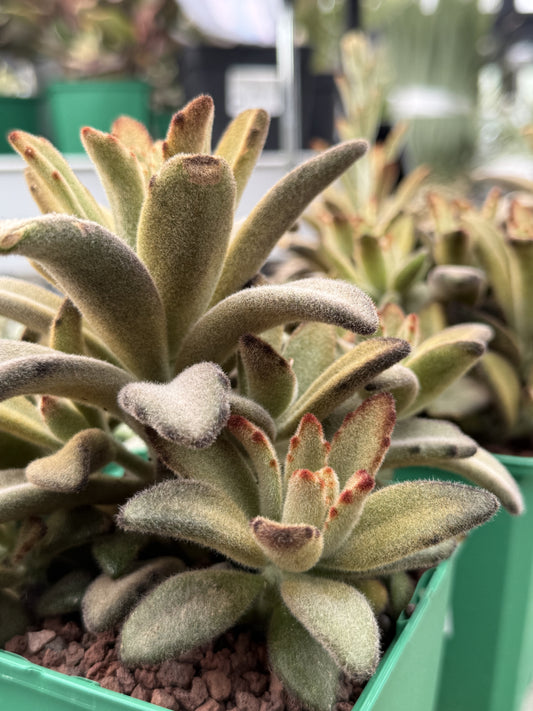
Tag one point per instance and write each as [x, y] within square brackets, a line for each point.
[230, 673]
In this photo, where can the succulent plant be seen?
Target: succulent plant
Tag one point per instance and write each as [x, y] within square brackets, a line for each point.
[484, 259]
[302, 538]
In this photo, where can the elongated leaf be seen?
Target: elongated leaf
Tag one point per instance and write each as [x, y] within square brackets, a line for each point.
[66, 330]
[193, 511]
[402, 519]
[502, 378]
[122, 178]
[116, 294]
[241, 144]
[307, 448]
[443, 358]
[264, 461]
[245, 407]
[190, 128]
[184, 230]
[278, 211]
[19, 498]
[312, 348]
[400, 382]
[306, 669]
[364, 438]
[422, 440]
[292, 547]
[347, 374]
[266, 375]
[305, 501]
[221, 465]
[346, 511]
[185, 611]
[257, 309]
[108, 601]
[54, 171]
[61, 417]
[339, 618]
[42, 192]
[18, 417]
[191, 410]
[68, 469]
[27, 369]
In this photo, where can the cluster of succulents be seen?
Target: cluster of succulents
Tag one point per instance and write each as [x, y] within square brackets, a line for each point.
[160, 325]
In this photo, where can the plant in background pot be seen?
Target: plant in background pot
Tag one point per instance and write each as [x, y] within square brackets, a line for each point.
[145, 334]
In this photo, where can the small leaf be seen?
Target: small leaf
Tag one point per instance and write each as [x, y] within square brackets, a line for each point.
[190, 129]
[291, 547]
[264, 461]
[116, 552]
[253, 310]
[305, 501]
[307, 448]
[193, 511]
[191, 410]
[108, 601]
[303, 665]
[66, 330]
[372, 259]
[63, 419]
[339, 618]
[68, 469]
[402, 519]
[186, 611]
[398, 380]
[346, 511]
[363, 438]
[241, 144]
[278, 211]
[268, 377]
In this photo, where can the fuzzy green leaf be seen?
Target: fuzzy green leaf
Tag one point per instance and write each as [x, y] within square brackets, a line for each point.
[62, 418]
[241, 144]
[364, 438]
[427, 558]
[27, 368]
[400, 382]
[66, 330]
[259, 308]
[443, 358]
[65, 595]
[249, 409]
[190, 129]
[184, 230]
[371, 255]
[266, 376]
[312, 348]
[418, 441]
[303, 665]
[68, 469]
[305, 501]
[193, 511]
[116, 552]
[346, 511]
[58, 177]
[221, 465]
[292, 547]
[402, 519]
[108, 601]
[264, 461]
[122, 178]
[19, 498]
[185, 611]
[278, 211]
[347, 374]
[457, 283]
[339, 618]
[191, 410]
[307, 448]
[19, 417]
[504, 383]
[116, 295]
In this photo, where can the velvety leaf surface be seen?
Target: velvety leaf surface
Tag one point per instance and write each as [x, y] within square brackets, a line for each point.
[307, 447]
[346, 511]
[292, 547]
[193, 511]
[19, 417]
[305, 500]
[180, 615]
[400, 382]
[190, 128]
[312, 348]
[420, 440]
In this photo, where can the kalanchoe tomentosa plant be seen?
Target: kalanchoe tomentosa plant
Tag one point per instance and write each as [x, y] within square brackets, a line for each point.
[301, 537]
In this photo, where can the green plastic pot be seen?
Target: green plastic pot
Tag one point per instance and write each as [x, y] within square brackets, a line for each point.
[15, 113]
[74, 104]
[406, 679]
[488, 661]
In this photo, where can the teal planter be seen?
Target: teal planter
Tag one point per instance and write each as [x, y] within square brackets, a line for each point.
[406, 679]
[22, 114]
[74, 104]
[488, 662]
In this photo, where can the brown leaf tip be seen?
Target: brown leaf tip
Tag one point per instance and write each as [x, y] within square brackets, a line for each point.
[282, 536]
[203, 169]
[363, 481]
[305, 474]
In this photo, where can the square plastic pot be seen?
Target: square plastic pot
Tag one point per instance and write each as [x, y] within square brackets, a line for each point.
[488, 661]
[406, 679]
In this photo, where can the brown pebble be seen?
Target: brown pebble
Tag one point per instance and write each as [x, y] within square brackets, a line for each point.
[146, 678]
[218, 684]
[139, 692]
[95, 653]
[343, 706]
[53, 658]
[68, 669]
[246, 701]
[257, 682]
[194, 656]
[160, 697]
[111, 655]
[74, 653]
[210, 705]
[57, 644]
[126, 679]
[37, 640]
[112, 683]
[88, 638]
[53, 623]
[174, 673]
[190, 700]
[275, 688]
[17, 644]
[93, 671]
[71, 632]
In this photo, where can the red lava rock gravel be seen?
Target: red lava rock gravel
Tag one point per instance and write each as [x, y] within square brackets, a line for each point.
[230, 674]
